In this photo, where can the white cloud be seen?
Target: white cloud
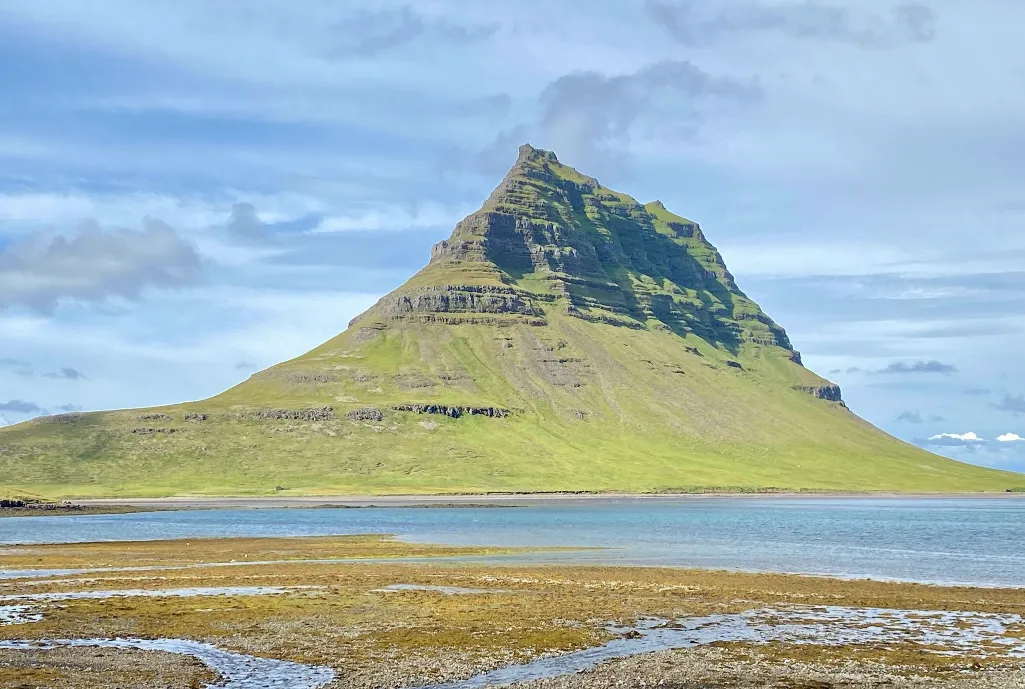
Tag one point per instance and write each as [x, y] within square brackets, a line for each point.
[963, 437]
[4, 421]
[1010, 438]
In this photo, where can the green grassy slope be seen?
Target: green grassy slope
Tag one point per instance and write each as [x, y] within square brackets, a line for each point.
[577, 341]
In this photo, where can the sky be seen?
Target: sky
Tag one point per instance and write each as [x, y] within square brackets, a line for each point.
[192, 191]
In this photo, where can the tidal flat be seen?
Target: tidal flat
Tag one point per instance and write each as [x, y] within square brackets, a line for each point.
[371, 611]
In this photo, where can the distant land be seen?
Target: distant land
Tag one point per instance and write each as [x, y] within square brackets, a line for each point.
[564, 338]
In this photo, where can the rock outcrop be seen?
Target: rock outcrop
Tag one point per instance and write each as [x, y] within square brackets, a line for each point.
[830, 392]
[313, 414]
[453, 411]
[365, 414]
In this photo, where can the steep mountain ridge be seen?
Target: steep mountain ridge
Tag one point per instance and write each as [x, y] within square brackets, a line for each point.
[548, 233]
[565, 337]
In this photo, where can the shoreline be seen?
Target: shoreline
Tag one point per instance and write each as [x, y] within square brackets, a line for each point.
[496, 499]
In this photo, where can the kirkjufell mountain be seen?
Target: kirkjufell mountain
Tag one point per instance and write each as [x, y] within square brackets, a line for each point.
[564, 338]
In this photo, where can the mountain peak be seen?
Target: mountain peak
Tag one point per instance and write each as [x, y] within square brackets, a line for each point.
[551, 239]
[565, 337]
[528, 153]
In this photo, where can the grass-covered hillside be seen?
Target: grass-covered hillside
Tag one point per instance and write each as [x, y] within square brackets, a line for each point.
[565, 338]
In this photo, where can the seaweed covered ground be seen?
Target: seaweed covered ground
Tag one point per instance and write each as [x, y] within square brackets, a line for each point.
[381, 613]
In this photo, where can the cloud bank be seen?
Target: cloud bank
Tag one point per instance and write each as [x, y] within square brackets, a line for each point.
[94, 264]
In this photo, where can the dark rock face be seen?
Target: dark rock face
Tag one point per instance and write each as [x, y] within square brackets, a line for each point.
[605, 319]
[314, 414]
[735, 364]
[153, 417]
[462, 299]
[307, 377]
[475, 319]
[832, 393]
[454, 411]
[365, 414]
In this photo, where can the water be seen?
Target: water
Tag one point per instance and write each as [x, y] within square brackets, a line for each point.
[443, 590]
[976, 541]
[18, 614]
[194, 592]
[941, 632]
[945, 633]
[237, 671]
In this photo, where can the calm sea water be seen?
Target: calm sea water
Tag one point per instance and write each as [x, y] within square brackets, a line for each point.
[970, 541]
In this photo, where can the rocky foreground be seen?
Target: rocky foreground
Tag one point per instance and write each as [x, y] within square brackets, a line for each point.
[370, 612]
[715, 668]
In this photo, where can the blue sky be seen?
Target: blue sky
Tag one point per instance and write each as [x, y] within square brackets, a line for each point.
[190, 191]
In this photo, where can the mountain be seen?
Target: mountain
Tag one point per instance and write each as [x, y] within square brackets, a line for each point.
[564, 338]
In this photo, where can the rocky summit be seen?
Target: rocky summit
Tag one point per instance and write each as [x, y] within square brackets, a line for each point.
[564, 338]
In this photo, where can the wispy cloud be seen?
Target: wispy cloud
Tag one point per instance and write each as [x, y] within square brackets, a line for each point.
[905, 368]
[244, 225]
[591, 118]
[367, 34]
[66, 373]
[1011, 403]
[21, 368]
[699, 23]
[20, 407]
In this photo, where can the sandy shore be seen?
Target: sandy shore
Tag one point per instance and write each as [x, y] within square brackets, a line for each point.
[491, 499]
